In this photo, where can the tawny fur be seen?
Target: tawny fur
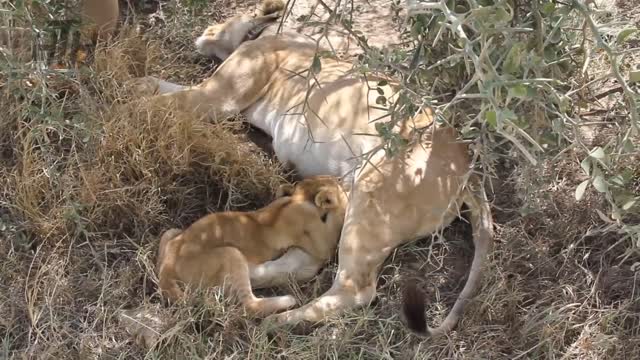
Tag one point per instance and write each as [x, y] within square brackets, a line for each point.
[100, 18]
[222, 248]
[221, 39]
[268, 7]
[326, 124]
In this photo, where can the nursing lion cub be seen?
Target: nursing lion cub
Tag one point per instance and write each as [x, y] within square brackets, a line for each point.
[224, 248]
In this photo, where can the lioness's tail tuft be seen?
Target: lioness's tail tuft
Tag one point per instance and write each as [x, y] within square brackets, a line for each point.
[268, 7]
[482, 224]
[413, 308]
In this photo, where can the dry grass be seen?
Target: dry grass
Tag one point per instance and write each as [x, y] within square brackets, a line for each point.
[86, 188]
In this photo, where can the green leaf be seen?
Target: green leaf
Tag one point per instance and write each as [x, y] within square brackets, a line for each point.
[603, 217]
[634, 76]
[555, 37]
[514, 58]
[548, 8]
[381, 100]
[502, 15]
[492, 118]
[624, 34]
[617, 180]
[557, 125]
[508, 114]
[564, 103]
[628, 174]
[615, 214]
[600, 184]
[586, 165]
[460, 9]
[581, 189]
[382, 129]
[564, 10]
[316, 66]
[302, 18]
[595, 170]
[519, 91]
[597, 153]
[627, 145]
[628, 205]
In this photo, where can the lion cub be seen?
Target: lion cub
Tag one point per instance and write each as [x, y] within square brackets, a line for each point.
[221, 248]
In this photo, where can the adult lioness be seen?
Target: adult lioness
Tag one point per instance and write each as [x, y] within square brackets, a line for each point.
[231, 247]
[323, 124]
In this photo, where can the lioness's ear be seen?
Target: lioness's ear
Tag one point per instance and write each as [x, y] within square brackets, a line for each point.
[268, 7]
[326, 199]
[284, 190]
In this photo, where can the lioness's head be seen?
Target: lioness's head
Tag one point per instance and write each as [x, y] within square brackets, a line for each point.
[220, 40]
[325, 192]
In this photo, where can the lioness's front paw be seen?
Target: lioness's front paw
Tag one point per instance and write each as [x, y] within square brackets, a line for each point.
[143, 86]
[287, 302]
[280, 320]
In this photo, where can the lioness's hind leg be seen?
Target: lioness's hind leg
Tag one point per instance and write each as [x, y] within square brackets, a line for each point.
[359, 261]
[237, 282]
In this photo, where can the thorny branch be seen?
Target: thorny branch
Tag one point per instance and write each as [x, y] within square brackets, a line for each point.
[487, 81]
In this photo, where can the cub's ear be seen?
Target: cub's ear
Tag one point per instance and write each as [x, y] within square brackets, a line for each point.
[284, 190]
[326, 199]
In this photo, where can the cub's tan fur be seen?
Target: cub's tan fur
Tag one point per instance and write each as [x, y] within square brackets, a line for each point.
[328, 124]
[100, 17]
[222, 248]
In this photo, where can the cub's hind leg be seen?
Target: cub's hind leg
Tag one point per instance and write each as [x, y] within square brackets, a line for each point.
[166, 265]
[234, 274]
[295, 263]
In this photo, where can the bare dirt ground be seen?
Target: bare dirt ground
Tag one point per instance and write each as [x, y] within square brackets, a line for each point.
[86, 189]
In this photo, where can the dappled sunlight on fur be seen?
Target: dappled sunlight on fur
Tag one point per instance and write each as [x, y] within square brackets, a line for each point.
[87, 187]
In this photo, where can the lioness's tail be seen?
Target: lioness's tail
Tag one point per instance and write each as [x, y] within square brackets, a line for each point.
[268, 7]
[165, 265]
[413, 300]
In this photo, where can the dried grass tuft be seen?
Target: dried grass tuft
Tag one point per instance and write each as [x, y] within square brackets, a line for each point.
[87, 184]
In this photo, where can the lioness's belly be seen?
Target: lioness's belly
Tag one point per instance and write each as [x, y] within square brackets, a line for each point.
[312, 156]
[323, 151]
